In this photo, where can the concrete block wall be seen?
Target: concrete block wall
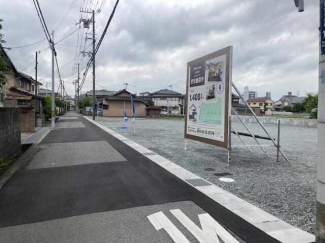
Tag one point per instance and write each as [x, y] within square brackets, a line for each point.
[274, 120]
[9, 131]
[27, 119]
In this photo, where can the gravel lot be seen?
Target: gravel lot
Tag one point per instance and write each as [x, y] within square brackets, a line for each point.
[286, 190]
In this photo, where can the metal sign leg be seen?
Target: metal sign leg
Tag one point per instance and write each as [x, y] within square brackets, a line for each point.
[229, 142]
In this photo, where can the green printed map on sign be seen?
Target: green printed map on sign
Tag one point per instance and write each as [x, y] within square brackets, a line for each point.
[211, 113]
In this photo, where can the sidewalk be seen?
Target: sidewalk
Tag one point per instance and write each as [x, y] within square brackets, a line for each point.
[84, 184]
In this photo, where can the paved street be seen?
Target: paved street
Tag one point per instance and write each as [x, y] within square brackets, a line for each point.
[84, 185]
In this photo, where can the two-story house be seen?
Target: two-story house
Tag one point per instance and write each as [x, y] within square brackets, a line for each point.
[287, 100]
[19, 89]
[261, 103]
[169, 101]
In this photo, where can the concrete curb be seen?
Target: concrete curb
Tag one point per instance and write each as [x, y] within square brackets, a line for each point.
[262, 220]
[20, 162]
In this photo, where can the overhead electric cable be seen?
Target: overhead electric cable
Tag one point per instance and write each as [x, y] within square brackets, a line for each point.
[40, 15]
[17, 47]
[66, 36]
[99, 43]
[65, 15]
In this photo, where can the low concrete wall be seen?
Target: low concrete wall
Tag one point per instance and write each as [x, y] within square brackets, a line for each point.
[9, 131]
[27, 119]
[274, 120]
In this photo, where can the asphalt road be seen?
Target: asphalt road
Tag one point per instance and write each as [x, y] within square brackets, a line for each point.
[84, 185]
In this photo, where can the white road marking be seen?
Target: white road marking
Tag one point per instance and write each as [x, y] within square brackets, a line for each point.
[202, 236]
[170, 228]
[209, 233]
[208, 224]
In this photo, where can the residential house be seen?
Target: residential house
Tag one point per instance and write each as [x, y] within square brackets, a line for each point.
[19, 91]
[167, 99]
[43, 92]
[113, 106]
[20, 87]
[287, 100]
[261, 103]
[100, 94]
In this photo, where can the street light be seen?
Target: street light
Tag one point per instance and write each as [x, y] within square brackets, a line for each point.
[300, 5]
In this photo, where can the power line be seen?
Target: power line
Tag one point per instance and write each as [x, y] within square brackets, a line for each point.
[18, 47]
[65, 15]
[99, 43]
[67, 36]
[41, 18]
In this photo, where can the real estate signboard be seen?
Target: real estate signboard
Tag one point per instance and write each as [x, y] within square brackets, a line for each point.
[208, 98]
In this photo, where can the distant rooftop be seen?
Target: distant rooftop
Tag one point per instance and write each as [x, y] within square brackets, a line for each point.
[259, 99]
[102, 92]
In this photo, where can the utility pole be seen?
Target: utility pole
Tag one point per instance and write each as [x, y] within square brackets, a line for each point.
[320, 208]
[36, 102]
[63, 97]
[94, 54]
[53, 96]
[78, 81]
[36, 63]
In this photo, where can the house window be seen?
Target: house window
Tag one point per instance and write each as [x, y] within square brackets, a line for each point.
[105, 107]
[261, 104]
[270, 103]
[254, 103]
[21, 84]
[33, 88]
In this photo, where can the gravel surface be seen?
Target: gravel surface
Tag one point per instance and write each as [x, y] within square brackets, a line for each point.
[285, 189]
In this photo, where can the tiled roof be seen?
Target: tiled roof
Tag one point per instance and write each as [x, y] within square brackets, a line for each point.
[101, 92]
[259, 99]
[166, 92]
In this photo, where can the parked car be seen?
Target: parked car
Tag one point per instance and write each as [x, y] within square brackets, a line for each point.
[164, 112]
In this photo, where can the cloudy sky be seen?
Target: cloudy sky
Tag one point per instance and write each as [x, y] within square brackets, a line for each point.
[150, 42]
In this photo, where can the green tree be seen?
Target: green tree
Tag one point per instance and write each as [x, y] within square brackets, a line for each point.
[3, 62]
[287, 109]
[59, 103]
[297, 108]
[310, 103]
[86, 102]
[150, 102]
[47, 107]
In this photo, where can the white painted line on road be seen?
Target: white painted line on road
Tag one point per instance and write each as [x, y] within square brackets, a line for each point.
[165, 223]
[209, 224]
[201, 235]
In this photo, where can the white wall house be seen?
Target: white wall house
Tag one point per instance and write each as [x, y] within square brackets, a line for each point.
[167, 99]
